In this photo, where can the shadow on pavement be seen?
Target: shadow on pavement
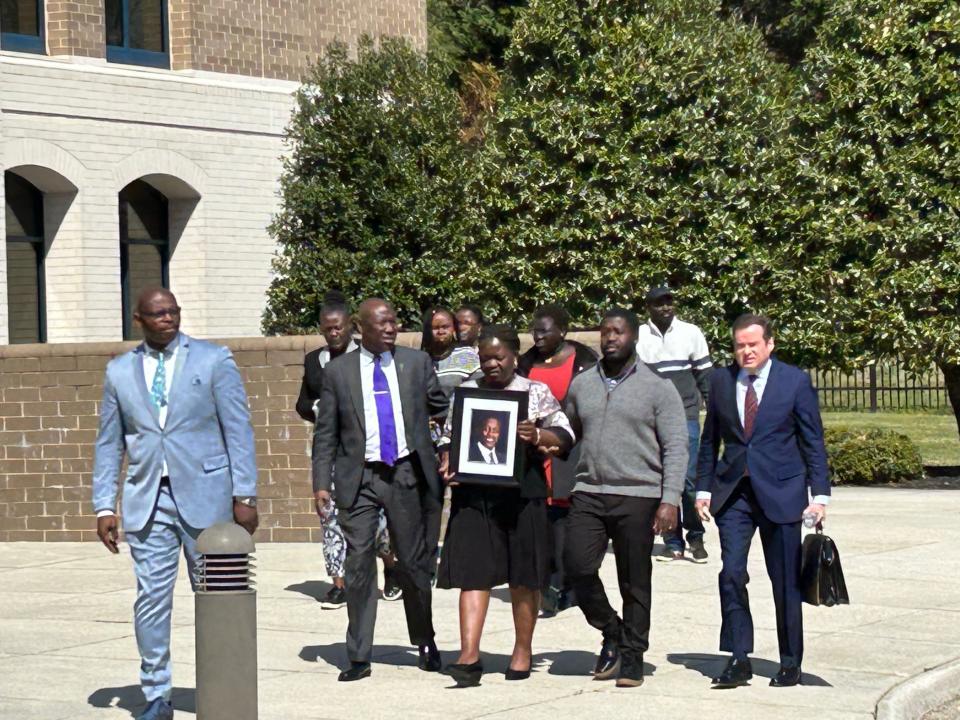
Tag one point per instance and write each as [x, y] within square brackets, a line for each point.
[130, 698]
[578, 663]
[335, 654]
[710, 665]
[315, 589]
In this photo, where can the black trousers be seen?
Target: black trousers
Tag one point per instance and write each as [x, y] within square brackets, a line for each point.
[396, 490]
[432, 507]
[559, 517]
[594, 520]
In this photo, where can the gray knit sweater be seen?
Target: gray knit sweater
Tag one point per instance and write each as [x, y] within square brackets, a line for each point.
[633, 434]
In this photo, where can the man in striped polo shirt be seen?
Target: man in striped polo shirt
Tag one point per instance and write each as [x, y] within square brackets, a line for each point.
[677, 350]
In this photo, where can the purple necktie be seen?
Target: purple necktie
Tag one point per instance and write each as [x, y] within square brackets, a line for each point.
[385, 422]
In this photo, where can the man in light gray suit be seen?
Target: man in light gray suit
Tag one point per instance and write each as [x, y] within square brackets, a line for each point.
[177, 407]
[374, 435]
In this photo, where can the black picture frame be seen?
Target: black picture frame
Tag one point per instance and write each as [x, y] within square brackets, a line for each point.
[474, 410]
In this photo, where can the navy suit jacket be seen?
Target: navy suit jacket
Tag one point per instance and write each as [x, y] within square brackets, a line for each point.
[785, 454]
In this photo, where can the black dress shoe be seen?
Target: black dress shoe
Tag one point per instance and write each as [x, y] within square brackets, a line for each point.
[608, 662]
[429, 659]
[786, 677]
[512, 674]
[466, 674]
[736, 673]
[356, 671]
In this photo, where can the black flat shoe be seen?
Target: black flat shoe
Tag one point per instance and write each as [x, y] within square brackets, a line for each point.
[356, 671]
[466, 675]
[736, 674]
[512, 674]
[786, 677]
[608, 662]
[429, 658]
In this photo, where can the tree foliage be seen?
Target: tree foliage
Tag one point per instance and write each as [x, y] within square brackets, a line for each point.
[637, 143]
[799, 158]
[372, 191]
[880, 125]
[475, 31]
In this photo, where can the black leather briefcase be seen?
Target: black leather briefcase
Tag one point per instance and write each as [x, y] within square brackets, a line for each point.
[821, 577]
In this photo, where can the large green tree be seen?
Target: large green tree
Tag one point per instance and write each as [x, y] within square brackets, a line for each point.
[372, 191]
[636, 143]
[878, 256]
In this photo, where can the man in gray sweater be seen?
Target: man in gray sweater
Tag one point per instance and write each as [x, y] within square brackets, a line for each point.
[633, 460]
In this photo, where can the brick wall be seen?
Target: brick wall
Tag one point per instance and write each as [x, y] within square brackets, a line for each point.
[49, 399]
[75, 27]
[277, 38]
[268, 38]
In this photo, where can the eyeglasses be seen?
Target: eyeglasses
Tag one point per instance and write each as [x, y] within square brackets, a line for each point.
[172, 312]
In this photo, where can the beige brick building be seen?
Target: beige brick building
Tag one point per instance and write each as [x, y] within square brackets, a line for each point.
[140, 144]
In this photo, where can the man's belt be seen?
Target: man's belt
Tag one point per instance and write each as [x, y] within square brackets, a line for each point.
[378, 465]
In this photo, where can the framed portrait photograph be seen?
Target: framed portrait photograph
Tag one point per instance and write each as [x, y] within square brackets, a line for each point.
[485, 448]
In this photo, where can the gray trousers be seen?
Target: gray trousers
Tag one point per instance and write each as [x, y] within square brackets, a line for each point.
[396, 490]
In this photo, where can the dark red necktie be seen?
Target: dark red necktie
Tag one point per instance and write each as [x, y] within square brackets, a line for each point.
[750, 405]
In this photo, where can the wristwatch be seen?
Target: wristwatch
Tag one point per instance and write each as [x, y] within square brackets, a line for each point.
[249, 501]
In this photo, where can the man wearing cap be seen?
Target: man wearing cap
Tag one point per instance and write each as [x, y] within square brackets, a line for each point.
[678, 351]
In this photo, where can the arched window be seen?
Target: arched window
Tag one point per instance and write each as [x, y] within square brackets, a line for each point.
[25, 253]
[144, 247]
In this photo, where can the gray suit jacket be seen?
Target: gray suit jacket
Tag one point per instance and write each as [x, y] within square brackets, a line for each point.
[207, 439]
[339, 438]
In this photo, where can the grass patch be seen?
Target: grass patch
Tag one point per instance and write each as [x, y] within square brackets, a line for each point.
[935, 435]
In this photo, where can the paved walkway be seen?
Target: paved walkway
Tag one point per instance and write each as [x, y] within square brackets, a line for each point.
[67, 648]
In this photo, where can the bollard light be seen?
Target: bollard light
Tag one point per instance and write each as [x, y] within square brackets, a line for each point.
[226, 625]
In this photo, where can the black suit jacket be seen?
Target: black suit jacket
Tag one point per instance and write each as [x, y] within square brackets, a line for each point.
[476, 456]
[339, 438]
[311, 386]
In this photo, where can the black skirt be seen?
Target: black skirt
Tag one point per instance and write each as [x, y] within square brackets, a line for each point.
[495, 536]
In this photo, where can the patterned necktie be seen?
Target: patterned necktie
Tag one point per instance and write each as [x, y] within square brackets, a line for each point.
[385, 421]
[158, 389]
[750, 406]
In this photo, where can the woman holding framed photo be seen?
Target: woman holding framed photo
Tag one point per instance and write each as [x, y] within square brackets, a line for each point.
[498, 530]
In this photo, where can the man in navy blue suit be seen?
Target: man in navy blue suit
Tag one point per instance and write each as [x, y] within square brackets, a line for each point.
[765, 414]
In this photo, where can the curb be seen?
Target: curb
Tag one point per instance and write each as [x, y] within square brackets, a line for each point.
[917, 695]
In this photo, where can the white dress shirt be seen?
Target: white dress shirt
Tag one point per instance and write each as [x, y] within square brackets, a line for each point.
[151, 359]
[762, 373]
[389, 367]
[489, 455]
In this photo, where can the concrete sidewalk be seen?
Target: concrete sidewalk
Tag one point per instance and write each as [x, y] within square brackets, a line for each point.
[67, 648]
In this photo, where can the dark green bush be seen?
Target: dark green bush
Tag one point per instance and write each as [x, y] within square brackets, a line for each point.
[636, 143]
[859, 456]
[373, 191]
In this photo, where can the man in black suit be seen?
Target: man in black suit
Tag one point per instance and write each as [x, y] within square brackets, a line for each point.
[374, 434]
[484, 449]
[765, 415]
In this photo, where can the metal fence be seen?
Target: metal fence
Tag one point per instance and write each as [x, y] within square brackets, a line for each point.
[880, 387]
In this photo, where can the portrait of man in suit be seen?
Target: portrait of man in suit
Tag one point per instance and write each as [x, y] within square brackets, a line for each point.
[773, 472]
[486, 445]
[374, 437]
[176, 407]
